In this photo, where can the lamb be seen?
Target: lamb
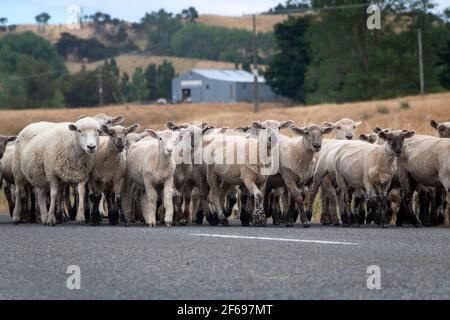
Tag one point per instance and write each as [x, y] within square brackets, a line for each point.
[229, 163]
[51, 157]
[297, 163]
[186, 177]
[344, 130]
[107, 173]
[358, 165]
[151, 165]
[442, 129]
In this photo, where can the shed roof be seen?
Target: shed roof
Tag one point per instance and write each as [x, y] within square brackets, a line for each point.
[231, 75]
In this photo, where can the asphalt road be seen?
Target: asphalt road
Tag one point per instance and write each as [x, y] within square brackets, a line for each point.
[204, 262]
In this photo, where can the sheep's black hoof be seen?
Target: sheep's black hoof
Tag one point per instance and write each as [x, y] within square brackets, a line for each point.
[225, 222]
[384, 225]
[305, 225]
[183, 222]
[289, 224]
[309, 215]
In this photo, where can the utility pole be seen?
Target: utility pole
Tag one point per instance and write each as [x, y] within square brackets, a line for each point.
[422, 81]
[100, 88]
[255, 70]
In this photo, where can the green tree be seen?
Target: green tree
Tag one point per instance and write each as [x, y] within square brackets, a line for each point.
[287, 69]
[124, 87]
[166, 73]
[30, 72]
[160, 27]
[42, 20]
[151, 75]
[138, 92]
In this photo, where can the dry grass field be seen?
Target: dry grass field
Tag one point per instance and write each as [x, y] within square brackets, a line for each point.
[264, 23]
[388, 113]
[129, 62]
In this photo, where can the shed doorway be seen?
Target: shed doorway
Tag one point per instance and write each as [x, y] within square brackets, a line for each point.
[186, 95]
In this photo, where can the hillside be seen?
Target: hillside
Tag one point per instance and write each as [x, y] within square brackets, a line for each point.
[129, 62]
[264, 23]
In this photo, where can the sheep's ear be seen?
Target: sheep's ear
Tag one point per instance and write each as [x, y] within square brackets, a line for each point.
[382, 135]
[286, 124]
[171, 126]
[328, 124]
[257, 125]
[409, 134]
[205, 125]
[152, 133]
[73, 127]
[105, 129]
[12, 138]
[204, 130]
[434, 124]
[326, 129]
[116, 120]
[364, 137]
[357, 124]
[299, 131]
[80, 117]
[132, 128]
[377, 129]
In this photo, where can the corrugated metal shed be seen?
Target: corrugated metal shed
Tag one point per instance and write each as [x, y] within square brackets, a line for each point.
[231, 75]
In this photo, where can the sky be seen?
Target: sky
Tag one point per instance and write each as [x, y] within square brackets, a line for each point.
[24, 11]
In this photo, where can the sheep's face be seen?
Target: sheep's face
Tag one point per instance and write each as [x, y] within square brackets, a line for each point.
[3, 142]
[443, 129]
[270, 127]
[369, 138]
[168, 139]
[345, 128]
[195, 130]
[395, 139]
[118, 135]
[312, 135]
[87, 131]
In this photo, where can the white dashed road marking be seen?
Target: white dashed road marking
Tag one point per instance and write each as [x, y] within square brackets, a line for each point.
[271, 239]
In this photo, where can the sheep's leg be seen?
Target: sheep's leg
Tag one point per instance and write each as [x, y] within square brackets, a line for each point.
[197, 216]
[259, 218]
[408, 190]
[359, 207]
[127, 193]
[80, 217]
[148, 203]
[245, 213]
[9, 198]
[318, 177]
[178, 206]
[298, 198]
[168, 202]
[214, 184]
[117, 188]
[113, 214]
[276, 215]
[101, 206]
[54, 194]
[60, 206]
[42, 202]
[187, 214]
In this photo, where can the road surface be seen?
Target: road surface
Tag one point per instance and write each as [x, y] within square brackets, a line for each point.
[205, 262]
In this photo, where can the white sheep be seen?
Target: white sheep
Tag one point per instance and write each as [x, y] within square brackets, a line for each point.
[354, 165]
[49, 156]
[151, 165]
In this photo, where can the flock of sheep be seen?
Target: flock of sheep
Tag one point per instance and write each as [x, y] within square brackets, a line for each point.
[95, 168]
